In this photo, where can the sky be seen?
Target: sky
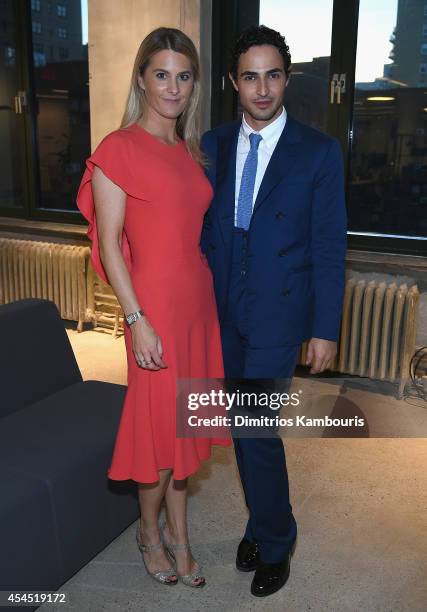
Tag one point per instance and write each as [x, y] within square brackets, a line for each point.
[84, 21]
[307, 26]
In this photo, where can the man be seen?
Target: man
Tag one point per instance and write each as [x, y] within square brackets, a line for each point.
[275, 239]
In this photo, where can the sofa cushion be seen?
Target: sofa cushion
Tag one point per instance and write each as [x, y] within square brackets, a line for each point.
[66, 440]
[36, 357]
[29, 559]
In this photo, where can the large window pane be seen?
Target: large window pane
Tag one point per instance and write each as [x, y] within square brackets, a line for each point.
[307, 27]
[62, 93]
[388, 170]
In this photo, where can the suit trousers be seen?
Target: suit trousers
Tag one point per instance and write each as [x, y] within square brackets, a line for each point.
[261, 460]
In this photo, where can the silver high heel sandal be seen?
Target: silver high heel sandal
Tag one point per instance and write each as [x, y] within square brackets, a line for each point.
[163, 576]
[188, 579]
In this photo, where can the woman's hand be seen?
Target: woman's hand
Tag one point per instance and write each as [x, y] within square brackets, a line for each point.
[147, 346]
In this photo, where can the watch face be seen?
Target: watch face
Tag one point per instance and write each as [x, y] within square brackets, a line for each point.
[133, 317]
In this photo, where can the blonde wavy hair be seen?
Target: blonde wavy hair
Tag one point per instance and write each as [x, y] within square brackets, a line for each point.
[188, 123]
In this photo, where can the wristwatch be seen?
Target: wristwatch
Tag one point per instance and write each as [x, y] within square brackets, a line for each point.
[134, 316]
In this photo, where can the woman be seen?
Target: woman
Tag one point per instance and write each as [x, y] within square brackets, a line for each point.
[144, 194]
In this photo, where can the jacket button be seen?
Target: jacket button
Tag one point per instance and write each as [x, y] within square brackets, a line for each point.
[279, 215]
[283, 252]
[286, 292]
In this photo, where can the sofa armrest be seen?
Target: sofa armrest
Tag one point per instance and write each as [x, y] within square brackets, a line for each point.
[36, 357]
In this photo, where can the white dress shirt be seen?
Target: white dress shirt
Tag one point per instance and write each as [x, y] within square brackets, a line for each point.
[270, 135]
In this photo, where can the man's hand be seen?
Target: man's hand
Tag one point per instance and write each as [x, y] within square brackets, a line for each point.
[320, 353]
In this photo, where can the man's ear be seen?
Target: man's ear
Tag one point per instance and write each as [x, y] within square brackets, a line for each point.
[141, 82]
[233, 82]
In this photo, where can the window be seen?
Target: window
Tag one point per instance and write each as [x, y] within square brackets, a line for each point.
[62, 120]
[305, 99]
[384, 107]
[61, 10]
[45, 150]
[387, 169]
[39, 59]
[9, 56]
[39, 56]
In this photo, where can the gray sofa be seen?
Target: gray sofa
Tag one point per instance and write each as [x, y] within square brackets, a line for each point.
[58, 509]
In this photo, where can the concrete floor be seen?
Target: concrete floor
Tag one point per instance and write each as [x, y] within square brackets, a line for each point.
[360, 504]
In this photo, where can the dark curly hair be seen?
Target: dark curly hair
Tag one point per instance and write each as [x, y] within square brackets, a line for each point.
[259, 35]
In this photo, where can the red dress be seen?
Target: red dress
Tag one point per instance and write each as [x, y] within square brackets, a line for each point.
[167, 197]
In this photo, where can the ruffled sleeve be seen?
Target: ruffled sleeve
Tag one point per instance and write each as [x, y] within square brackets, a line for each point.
[112, 157]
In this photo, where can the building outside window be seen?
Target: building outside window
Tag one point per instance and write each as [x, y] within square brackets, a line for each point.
[35, 5]
[424, 49]
[62, 33]
[423, 68]
[424, 29]
[63, 53]
[37, 27]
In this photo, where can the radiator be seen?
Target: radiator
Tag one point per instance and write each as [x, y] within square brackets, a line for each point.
[57, 272]
[378, 329]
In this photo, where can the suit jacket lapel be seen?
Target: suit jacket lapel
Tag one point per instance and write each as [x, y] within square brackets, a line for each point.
[226, 180]
[281, 162]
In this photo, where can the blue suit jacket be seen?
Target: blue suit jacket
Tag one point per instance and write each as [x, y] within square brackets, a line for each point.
[297, 236]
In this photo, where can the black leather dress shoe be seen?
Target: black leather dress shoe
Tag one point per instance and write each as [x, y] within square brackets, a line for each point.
[270, 577]
[248, 558]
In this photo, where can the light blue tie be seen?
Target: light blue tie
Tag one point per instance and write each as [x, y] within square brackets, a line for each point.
[246, 193]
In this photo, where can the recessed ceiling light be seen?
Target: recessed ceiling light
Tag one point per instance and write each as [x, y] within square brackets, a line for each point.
[380, 98]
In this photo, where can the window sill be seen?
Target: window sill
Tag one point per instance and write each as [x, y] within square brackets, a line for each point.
[43, 230]
[386, 259]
